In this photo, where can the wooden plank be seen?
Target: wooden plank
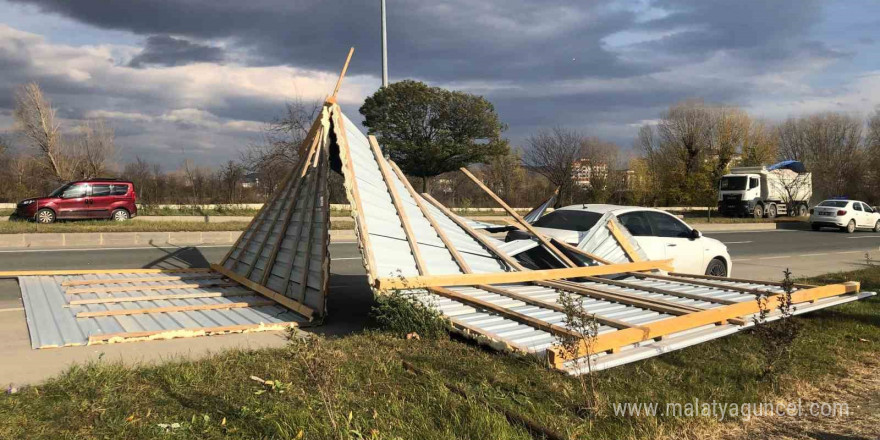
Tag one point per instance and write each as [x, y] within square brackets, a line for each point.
[342, 74]
[314, 151]
[621, 338]
[307, 263]
[703, 283]
[288, 213]
[31, 273]
[357, 205]
[561, 256]
[507, 313]
[265, 291]
[623, 241]
[86, 290]
[655, 305]
[80, 302]
[173, 309]
[661, 291]
[515, 277]
[552, 306]
[186, 333]
[401, 210]
[739, 280]
[433, 221]
[139, 280]
[483, 240]
[578, 251]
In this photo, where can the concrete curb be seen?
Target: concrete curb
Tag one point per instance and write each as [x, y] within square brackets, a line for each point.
[746, 227]
[113, 239]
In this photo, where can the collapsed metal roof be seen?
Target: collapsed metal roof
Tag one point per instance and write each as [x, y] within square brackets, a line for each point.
[412, 243]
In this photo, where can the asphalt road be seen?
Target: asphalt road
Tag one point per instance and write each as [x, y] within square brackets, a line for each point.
[758, 255]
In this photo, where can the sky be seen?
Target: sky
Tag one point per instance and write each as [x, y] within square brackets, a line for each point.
[199, 79]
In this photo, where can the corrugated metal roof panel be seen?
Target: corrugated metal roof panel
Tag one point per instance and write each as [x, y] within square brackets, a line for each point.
[52, 320]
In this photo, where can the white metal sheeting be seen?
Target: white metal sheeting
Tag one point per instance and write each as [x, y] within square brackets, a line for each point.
[600, 242]
[52, 320]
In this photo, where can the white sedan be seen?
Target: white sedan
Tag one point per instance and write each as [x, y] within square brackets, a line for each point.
[847, 215]
[660, 234]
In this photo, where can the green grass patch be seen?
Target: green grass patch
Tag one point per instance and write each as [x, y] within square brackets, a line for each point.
[356, 387]
[221, 210]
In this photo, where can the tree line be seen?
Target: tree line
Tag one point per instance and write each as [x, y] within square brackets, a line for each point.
[431, 132]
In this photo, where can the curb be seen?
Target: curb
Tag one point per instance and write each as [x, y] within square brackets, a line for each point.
[746, 227]
[111, 239]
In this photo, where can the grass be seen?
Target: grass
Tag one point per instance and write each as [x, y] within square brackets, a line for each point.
[356, 387]
[230, 210]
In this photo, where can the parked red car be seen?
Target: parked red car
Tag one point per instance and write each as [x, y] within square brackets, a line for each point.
[85, 199]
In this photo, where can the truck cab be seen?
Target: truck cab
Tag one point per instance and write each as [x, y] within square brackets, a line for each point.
[739, 194]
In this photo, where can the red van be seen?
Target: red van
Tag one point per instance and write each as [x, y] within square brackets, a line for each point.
[84, 199]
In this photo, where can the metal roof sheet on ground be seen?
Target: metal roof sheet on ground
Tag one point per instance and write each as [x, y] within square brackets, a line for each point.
[52, 321]
[600, 242]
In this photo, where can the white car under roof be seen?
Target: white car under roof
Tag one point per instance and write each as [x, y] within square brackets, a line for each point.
[661, 235]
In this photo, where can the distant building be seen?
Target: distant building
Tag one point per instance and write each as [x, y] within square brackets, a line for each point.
[250, 180]
[584, 171]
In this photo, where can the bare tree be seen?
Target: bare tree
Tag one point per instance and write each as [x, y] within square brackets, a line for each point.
[872, 151]
[829, 144]
[273, 158]
[96, 148]
[760, 145]
[552, 153]
[36, 119]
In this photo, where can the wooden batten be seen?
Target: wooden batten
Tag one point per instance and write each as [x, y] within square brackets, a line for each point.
[575, 250]
[401, 210]
[109, 338]
[433, 221]
[80, 302]
[510, 261]
[174, 309]
[205, 276]
[623, 241]
[739, 280]
[314, 202]
[622, 298]
[32, 273]
[515, 277]
[621, 338]
[507, 313]
[88, 290]
[661, 291]
[704, 283]
[528, 227]
[291, 304]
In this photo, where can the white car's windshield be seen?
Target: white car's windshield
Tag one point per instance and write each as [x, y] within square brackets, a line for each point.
[569, 220]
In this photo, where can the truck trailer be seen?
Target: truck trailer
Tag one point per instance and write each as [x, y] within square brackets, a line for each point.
[766, 191]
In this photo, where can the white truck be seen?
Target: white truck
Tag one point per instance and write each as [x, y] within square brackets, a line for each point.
[766, 191]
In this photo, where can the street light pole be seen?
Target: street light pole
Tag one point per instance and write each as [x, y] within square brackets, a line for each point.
[384, 49]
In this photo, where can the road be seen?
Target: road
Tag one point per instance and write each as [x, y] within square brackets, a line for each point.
[759, 255]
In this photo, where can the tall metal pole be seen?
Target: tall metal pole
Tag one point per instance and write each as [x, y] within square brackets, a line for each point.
[384, 49]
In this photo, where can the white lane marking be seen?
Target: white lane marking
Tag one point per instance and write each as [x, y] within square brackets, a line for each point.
[736, 242]
[812, 255]
[849, 252]
[751, 232]
[345, 258]
[864, 236]
[12, 309]
[114, 248]
[775, 258]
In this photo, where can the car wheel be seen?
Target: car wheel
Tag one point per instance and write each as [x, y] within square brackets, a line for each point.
[759, 211]
[716, 268]
[120, 215]
[815, 227]
[877, 226]
[45, 216]
[850, 227]
[771, 211]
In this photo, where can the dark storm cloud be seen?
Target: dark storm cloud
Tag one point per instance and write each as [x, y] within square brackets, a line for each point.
[756, 31]
[164, 50]
[459, 40]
